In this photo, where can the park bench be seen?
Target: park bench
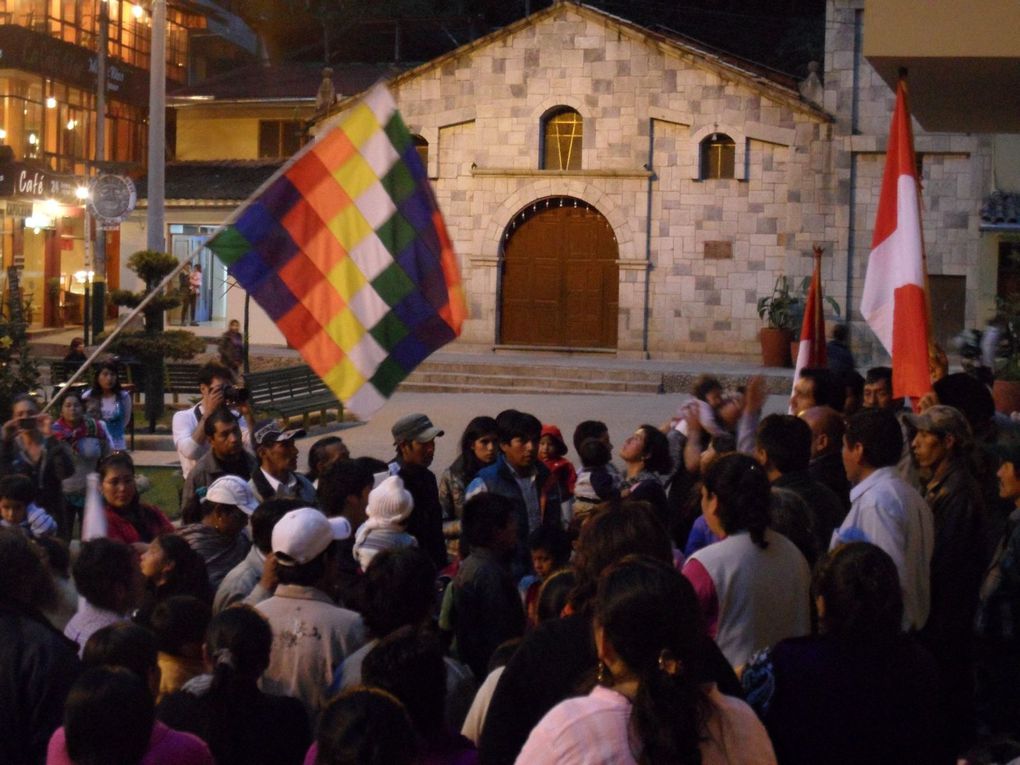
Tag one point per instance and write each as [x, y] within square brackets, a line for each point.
[291, 391]
[180, 379]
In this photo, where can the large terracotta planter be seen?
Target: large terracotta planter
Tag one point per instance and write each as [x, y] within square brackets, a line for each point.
[775, 347]
[1006, 394]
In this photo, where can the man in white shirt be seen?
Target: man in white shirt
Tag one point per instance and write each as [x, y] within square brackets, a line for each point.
[215, 382]
[885, 510]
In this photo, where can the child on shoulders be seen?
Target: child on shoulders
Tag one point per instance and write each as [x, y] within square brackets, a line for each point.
[597, 482]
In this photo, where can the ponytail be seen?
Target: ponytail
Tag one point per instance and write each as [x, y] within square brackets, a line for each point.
[649, 613]
[238, 642]
[668, 716]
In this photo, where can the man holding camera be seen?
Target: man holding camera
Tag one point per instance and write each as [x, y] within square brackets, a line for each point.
[216, 384]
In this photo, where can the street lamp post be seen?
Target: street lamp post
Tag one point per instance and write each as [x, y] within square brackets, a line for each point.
[155, 217]
[99, 253]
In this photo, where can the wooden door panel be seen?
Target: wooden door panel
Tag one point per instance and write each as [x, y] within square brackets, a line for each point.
[560, 281]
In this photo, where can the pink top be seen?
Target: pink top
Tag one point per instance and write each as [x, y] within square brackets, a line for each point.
[593, 730]
[166, 747]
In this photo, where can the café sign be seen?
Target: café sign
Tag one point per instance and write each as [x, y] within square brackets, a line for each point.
[21, 181]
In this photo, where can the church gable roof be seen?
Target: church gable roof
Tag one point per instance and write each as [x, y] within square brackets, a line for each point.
[776, 85]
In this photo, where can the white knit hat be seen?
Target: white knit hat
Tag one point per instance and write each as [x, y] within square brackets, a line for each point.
[390, 503]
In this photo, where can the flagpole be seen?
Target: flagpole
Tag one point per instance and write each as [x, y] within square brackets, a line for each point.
[920, 219]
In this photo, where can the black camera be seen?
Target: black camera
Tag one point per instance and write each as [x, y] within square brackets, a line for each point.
[234, 395]
[26, 423]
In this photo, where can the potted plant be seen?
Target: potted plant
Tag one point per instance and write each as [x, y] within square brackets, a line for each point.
[778, 310]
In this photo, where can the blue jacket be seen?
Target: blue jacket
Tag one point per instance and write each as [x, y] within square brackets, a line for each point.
[498, 478]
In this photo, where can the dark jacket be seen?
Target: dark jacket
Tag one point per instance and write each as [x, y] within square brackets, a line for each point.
[55, 464]
[824, 701]
[487, 609]
[498, 478]
[304, 490]
[828, 469]
[38, 665]
[257, 729]
[956, 562]
[426, 520]
[827, 512]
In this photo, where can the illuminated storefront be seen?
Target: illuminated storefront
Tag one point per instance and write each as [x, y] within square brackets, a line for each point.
[42, 232]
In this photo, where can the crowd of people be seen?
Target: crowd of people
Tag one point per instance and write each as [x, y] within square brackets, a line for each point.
[835, 585]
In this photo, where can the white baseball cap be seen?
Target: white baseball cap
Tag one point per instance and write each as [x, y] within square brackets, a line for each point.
[304, 534]
[232, 490]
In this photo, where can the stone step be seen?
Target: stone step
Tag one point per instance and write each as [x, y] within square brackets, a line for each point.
[508, 368]
[449, 378]
[432, 387]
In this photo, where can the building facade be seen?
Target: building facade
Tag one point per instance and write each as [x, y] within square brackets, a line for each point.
[614, 190]
[48, 127]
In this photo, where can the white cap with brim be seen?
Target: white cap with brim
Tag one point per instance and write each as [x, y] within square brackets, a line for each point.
[232, 490]
[302, 535]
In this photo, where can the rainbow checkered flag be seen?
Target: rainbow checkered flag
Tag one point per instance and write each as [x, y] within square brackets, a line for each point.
[346, 250]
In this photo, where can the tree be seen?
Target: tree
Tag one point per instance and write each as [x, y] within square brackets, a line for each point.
[153, 345]
[18, 371]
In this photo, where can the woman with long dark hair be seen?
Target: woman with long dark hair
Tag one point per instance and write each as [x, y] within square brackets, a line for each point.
[88, 441]
[859, 691]
[113, 402]
[646, 455]
[128, 519]
[649, 706]
[479, 446]
[753, 585]
[225, 707]
[170, 568]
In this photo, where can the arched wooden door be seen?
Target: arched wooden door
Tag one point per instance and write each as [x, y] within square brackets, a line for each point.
[560, 281]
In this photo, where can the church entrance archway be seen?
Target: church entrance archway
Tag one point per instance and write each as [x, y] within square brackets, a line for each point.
[560, 282]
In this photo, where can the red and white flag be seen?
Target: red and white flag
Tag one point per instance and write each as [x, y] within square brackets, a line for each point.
[895, 302]
[811, 350]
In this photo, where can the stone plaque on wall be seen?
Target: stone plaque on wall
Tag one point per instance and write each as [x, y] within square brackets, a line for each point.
[718, 250]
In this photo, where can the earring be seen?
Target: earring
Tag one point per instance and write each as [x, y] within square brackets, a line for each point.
[603, 676]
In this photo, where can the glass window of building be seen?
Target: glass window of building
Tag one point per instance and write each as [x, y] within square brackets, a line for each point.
[562, 131]
[279, 138]
[718, 156]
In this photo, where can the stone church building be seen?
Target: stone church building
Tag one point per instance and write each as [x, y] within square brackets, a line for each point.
[616, 189]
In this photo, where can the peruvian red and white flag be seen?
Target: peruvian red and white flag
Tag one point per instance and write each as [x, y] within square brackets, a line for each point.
[811, 350]
[895, 301]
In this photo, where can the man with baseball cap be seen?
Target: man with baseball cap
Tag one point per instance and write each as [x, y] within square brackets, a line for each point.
[942, 448]
[414, 437]
[277, 476]
[311, 634]
[217, 537]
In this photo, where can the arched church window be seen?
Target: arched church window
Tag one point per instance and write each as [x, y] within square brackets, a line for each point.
[718, 154]
[562, 130]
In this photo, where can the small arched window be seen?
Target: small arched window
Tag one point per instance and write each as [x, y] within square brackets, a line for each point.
[422, 147]
[718, 154]
[562, 131]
